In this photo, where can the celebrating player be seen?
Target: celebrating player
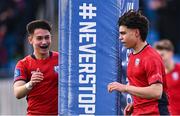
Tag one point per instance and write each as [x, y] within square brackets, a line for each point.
[36, 76]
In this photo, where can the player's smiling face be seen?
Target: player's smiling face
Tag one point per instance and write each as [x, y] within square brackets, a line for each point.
[41, 41]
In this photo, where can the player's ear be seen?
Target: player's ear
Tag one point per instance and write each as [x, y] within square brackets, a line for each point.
[30, 39]
[137, 32]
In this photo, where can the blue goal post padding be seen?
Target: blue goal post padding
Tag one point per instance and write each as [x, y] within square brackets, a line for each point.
[91, 56]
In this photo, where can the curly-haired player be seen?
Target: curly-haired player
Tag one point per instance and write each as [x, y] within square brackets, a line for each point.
[145, 69]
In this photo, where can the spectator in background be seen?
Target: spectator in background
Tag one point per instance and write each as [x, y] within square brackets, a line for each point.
[3, 51]
[166, 50]
[14, 15]
[36, 76]
[6, 14]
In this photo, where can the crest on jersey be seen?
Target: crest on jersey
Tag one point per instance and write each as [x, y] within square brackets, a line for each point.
[137, 61]
[17, 73]
[56, 69]
[175, 76]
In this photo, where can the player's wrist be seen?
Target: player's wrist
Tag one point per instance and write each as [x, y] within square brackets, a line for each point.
[28, 86]
[126, 88]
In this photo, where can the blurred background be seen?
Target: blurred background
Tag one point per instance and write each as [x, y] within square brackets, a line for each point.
[164, 19]
[14, 15]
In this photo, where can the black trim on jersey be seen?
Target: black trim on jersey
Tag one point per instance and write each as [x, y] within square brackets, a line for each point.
[141, 49]
[20, 80]
[163, 105]
[156, 82]
[34, 57]
[163, 102]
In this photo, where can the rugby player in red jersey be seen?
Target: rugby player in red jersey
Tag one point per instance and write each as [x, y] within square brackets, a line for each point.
[36, 76]
[145, 70]
[166, 50]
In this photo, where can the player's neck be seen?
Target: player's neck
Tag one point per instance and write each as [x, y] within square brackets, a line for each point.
[139, 47]
[41, 56]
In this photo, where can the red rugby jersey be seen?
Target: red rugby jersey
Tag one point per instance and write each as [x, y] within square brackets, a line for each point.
[173, 83]
[145, 68]
[43, 98]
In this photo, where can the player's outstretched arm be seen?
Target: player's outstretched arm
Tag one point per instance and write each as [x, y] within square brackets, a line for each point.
[149, 92]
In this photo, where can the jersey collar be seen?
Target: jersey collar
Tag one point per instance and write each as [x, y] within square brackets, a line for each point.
[34, 57]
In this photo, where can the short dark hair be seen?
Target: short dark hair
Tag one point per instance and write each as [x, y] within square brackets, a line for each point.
[43, 24]
[164, 44]
[134, 19]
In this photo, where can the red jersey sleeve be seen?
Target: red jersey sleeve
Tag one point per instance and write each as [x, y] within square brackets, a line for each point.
[154, 70]
[20, 71]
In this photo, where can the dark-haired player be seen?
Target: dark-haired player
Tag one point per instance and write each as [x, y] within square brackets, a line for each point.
[36, 76]
[145, 69]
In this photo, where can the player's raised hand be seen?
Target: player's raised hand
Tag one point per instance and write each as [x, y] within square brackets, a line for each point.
[37, 77]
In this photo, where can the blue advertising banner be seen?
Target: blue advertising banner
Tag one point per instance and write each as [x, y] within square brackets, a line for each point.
[91, 56]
